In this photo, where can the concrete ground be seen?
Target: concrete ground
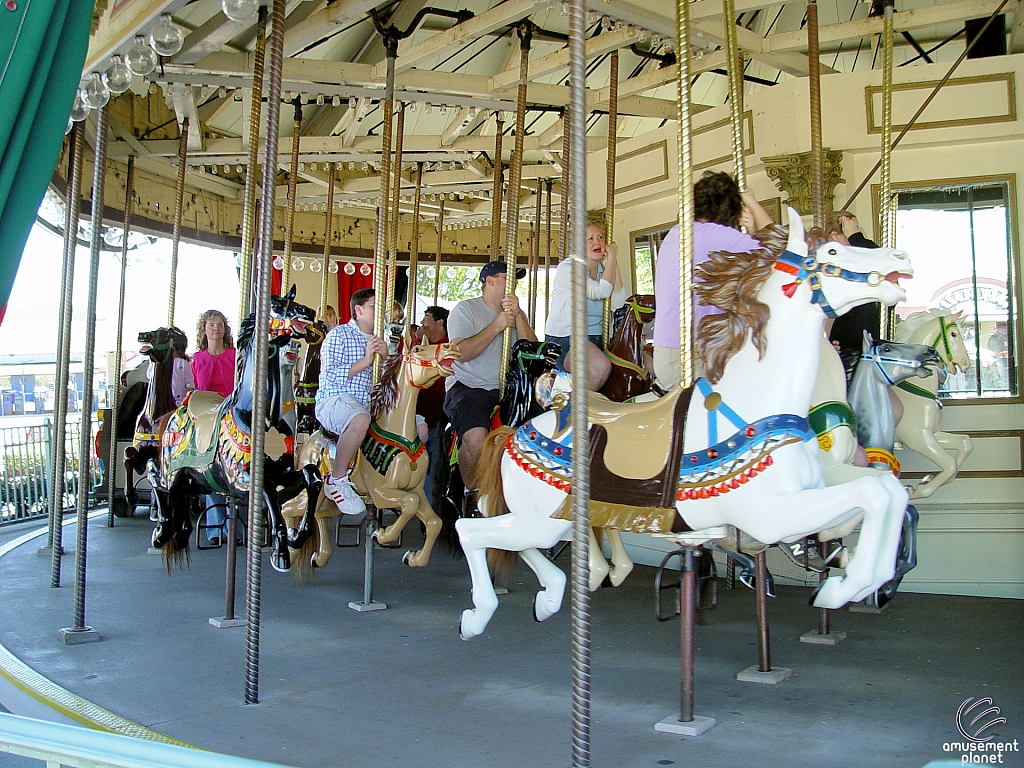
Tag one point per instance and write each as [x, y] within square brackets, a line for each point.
[399, 688]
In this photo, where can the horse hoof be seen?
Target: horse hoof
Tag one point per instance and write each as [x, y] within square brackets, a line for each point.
[463, 632]
[313, 563]
[279, 564]
[407, 557]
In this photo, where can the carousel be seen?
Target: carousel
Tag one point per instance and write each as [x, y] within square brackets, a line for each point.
[344, 145]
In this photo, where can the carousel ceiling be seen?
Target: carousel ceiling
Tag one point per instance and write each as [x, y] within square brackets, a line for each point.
[455, 75]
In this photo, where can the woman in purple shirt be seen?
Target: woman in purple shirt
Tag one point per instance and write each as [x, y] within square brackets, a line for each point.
[719, 209]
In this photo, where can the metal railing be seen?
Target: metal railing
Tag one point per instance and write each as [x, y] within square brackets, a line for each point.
[59, 745]
[26, 453]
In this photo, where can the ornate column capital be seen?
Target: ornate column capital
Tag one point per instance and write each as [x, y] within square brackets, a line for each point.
[792, 175]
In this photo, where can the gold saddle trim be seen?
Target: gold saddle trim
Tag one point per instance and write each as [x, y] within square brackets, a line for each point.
[203, 408]
[639, 434]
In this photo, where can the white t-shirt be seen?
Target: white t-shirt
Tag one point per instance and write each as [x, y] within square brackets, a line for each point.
[559, 322]
[467, 319]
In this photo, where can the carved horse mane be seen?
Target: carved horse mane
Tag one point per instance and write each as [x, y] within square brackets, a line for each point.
[906, 327]
[384, 394]
[731, 282]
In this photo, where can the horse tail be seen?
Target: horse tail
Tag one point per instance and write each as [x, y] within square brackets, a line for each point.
[491, 498]
[302, 559]
[446, 484]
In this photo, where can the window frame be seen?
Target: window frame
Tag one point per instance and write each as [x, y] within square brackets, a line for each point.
[1013, 247]
[654, 255]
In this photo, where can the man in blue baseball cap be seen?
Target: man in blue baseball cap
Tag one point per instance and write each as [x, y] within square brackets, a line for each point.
[477, 326]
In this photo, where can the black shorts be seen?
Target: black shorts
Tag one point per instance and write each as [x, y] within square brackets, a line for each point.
[468, 408]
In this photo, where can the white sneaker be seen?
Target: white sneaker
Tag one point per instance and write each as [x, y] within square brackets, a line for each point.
[341, 491]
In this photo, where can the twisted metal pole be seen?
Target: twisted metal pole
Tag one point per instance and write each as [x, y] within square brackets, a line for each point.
[609, 209]
[261, 343]
[580, 569]
[534, 274]
[887, 229]
[249, 200]
[289, 212]
[814, 80]
[547, 248]
[499, 127]
[380, 257]
[72, 212]
[396, 191]
[328, 234]
[563, 213]
[79, 630]
[685, 170]
[179, 204]
[735, 72]
[115, 405]
[440, 242]
[414, 247]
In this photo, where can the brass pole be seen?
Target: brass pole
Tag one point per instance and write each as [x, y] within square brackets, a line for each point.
[115, 405]
[563, 221]
[547, 249]
[289, 213]
[499, 126]
[414, 247]
[380, 259]
[328, 234]
[609, 205]
[817, 154]
[887, 230]
[535, 253]
[735, 71]
[249, 204]
[179, 204]
[440, 242]
[685, 160]
[396, 189]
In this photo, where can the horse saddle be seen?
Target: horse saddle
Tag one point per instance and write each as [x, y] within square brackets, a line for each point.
[203, 408]
[635, 454]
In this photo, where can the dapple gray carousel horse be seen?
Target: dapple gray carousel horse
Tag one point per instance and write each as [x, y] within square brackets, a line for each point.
[764, 478]
[920, 428]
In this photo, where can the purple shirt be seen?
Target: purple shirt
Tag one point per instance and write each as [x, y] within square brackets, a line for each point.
[708, 238]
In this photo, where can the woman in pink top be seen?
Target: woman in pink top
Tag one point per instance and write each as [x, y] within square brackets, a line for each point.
[213, 367]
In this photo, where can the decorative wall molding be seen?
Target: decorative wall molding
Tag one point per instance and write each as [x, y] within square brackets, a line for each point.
[642, 167]
[991, 98]
[792, 175]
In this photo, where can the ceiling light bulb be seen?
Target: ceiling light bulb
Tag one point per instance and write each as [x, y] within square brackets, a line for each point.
[333, 268]
[427, 109]
[298, 265]
[140, 59]
[351, 102]
[117, 77]
[79, 110]
[238, 169]
[350, 268]
[319, 99]
[315, 266]
[167, 37]
[239, 10]
[278, 263]
[336, 101]
[95, 93]
[227, 169]
[312, 166]
[365, 270]
[351, 166]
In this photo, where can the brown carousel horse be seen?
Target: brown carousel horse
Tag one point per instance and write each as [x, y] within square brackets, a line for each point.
[391, 464]
[159, 346]
[309, 379]
[629, 376]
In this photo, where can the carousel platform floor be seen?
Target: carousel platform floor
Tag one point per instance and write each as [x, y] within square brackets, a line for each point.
[398, 687]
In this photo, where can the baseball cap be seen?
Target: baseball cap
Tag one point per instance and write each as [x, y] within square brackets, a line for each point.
[492, 268]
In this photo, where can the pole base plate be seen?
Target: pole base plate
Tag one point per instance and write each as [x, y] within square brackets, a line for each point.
[865, 608]
[771, 677]
[697, 726]
[362, 607]
[832, 638]
[154, 551]
[220, 623]
[72, 636]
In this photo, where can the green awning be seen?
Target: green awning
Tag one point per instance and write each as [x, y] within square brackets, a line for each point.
[43, 44]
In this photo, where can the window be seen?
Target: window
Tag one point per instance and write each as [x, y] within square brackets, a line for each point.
[646, 244]
[960, 239]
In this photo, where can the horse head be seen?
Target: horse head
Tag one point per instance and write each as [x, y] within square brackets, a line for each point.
[157, 345]
[288, 317]
[425, 363]
[842, 277]
[895, 361]
[534, 358]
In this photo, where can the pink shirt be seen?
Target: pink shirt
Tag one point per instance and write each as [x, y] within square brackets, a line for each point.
[214, 373]
[708, 238]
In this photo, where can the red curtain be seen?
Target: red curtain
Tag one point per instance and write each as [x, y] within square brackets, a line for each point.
[275, 281]
[349, 284]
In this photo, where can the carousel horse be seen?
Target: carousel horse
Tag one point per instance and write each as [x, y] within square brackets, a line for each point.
[158, 346]
[919, 429]
[309, 380]
[391, 464]
[763, 477]
[205, 446]
[629, 376]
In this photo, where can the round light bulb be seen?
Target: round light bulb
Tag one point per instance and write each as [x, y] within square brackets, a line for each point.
[117, 76]
[365, 270]
[316, 266]
[333, 268]
[239, 10]
[79, 110]
[141, 59]
[298, 265]
[278, 263]
[95, 93]
[167, 37]
[350, 268]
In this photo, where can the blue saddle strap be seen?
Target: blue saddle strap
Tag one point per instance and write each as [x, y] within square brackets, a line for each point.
[721, 408]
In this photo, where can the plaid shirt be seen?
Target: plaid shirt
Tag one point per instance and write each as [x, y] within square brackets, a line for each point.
[344, 346]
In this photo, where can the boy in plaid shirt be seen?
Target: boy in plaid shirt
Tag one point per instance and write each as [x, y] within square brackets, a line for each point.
[341, 400]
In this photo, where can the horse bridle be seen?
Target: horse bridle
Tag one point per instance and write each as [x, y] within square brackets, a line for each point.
[878, 360]
[639, 309]
[943, 328]
[810, 269]
[429, 362]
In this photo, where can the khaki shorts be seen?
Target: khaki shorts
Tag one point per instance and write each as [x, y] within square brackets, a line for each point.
[337, 411]
[666, 367]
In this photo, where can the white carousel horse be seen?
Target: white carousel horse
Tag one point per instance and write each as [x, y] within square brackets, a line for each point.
[919, 429]
[764, 479]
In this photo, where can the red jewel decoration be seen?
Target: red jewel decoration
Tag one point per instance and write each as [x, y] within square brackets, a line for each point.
[533, 435]
[11, 5]
[768, 460]
[712, 454]
[734, 483]
[714, 491]
[693, 459]
[750, 431]
[558, 451]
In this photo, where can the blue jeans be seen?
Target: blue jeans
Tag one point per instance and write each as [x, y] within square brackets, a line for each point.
[595, 338]
[216, 516]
